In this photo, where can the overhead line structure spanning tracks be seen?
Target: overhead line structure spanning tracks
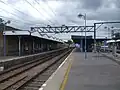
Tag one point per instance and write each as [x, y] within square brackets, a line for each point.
[100, 24]
[61, 29]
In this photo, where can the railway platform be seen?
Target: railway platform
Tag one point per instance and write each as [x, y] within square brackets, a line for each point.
[6, 58]
[10, 61]
[97, 72]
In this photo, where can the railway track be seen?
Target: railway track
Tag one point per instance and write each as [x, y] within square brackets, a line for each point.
[39, 80]
[24, 77]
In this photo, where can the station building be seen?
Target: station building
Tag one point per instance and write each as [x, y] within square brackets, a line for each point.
[7, 28]
[24, 42]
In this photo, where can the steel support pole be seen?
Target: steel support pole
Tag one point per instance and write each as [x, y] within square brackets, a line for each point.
[81, 45]
[94, 37]
[4, 40]
[19, 37]
[40, 46]
[85, 39]
[115, 51]
[33, 46]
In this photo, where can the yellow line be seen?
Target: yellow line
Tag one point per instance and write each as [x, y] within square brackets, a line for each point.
[62, 87]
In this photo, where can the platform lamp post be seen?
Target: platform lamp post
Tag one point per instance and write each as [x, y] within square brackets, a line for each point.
[84, 16]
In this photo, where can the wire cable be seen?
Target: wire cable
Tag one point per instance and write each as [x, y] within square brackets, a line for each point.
[37, 10]
[45, 10]
[17, 21]
[16, 25]
[16, 10]
[21, 11]
[15, 15]
[49, 7]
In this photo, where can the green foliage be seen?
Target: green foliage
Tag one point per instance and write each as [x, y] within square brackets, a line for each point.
[69, 42]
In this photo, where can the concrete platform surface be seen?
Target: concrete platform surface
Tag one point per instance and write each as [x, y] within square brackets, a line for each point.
[95, 73]
[2, 58]
[10, 58]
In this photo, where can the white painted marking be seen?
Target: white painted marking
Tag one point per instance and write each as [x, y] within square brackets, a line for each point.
[40, 88]
[1, 68]
[55, 71]
[44, 85]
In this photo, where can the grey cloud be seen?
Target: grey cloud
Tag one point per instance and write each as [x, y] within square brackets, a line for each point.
[117, 2]
[12, 1]
[91, 4]
[105, 15]
[67, 14]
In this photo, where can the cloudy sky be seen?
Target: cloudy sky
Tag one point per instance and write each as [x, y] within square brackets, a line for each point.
[26, 13]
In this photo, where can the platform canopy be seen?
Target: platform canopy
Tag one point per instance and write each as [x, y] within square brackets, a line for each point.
[110, 41]
[36, 34]
[113, 41]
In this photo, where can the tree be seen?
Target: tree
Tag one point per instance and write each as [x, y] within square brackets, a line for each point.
[69, 42]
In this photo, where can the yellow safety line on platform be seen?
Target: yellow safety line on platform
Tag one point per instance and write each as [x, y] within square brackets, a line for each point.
[62, 87]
